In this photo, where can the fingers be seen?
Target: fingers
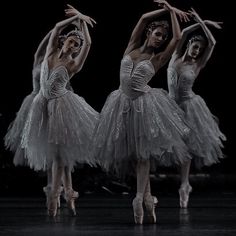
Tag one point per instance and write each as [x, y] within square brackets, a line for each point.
[90, 23]
[161, 3]
[193, 10]
[218, 25]
[191, 13]
[183, 16]
[93, 21]
[68, 5]
[70, 13]
[89, 20]
[186, 17]
[70, 10]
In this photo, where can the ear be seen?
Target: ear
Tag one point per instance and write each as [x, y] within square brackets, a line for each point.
[148, 33]
[62, 39]
[188, 44]
[76, 53]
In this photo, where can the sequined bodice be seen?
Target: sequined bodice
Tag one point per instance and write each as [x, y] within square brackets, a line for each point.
[53, 83]
[134, 79]
[180, 83]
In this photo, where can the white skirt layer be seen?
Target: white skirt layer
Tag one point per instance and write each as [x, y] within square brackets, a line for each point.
[149, 127]
[60, 127]
[207, 149]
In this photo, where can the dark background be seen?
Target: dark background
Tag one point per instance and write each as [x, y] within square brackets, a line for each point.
[25, 24]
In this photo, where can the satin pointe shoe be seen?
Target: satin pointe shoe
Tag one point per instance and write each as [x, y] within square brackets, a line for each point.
[52, 204]
[47, 191]
[184, 192]
[150, 205]
[70, 197]
[138, 210]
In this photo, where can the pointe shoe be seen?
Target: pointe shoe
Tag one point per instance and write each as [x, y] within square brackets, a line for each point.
[184, 196]
[70, 197]
[52, 205]
[138, 210]
[59, 197]
[47, 191]
[150, 204]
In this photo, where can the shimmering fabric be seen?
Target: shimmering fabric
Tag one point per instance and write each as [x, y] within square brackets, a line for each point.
[207, 148]
[60, 123]
[14, 133]
[138, 122]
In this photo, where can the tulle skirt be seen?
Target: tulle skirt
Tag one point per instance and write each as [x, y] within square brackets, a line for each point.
[60, 127]
[208, 149]
[150, 127]
[14, 133]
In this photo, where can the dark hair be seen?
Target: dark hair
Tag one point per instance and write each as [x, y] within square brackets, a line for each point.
[198, 38]
[155, 24]
[77, 33]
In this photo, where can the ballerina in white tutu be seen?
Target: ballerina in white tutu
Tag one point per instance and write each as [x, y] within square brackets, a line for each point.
[60, 124]
[15, 130]
[184, 67]
[139, 123]
[14, 133]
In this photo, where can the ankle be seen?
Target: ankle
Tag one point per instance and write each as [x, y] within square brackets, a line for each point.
[139, 196]
[185, 185]
[147, 195]
[70, 194]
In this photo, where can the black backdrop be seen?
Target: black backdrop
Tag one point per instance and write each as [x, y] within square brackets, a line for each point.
[26, 22]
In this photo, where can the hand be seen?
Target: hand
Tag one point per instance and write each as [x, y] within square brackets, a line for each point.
[71, 11]
[216, 24]
[195, 15]
[183, 16]
[164, 4]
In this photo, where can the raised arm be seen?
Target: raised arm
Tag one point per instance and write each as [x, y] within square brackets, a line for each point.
[73, 15]
[210, 38]
[81, 57]
[161, 59]
[136, 36]
[41, 50]
[53, 40]
[185, 32]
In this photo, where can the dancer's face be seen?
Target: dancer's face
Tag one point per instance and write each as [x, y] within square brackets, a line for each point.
[157, 37]
[195, 49]
[71, 45]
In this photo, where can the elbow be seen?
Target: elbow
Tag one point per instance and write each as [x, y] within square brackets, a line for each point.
[178, 36]
[57, 27]
[88, 43]
[144, 18]
[212, 43]
[177, 39]
[87, 40]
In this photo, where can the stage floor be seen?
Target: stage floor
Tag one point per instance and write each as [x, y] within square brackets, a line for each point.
[209, 215]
